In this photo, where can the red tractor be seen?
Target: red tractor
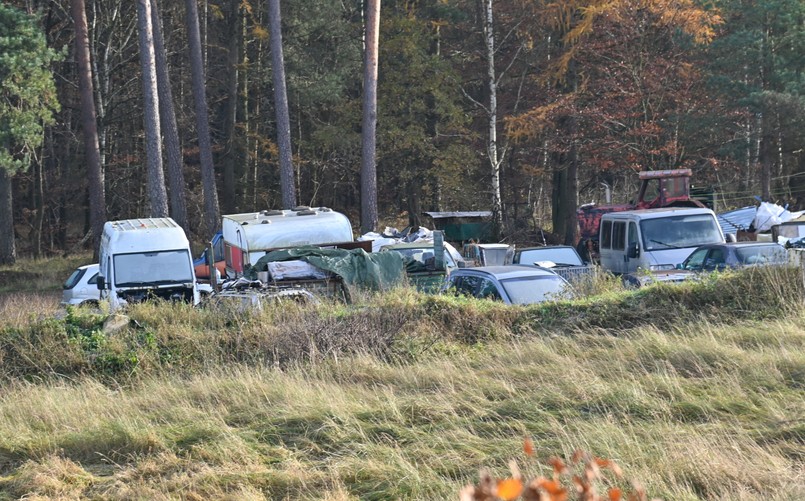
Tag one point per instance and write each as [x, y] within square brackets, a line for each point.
[658, 188]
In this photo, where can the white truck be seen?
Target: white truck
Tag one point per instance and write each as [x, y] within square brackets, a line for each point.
[247, 237]
[145, 258]
[654, 240]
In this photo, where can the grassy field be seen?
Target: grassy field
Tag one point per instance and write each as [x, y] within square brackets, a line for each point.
[696, 391]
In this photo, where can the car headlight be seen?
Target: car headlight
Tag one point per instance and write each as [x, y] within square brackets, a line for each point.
[661, 267]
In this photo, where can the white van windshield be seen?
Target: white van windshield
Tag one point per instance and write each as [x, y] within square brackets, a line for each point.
[677, 232]
[153, 268]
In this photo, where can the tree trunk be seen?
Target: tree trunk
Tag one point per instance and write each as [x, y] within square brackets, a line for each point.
[95, 175]
[492, 140]
[211, 211]
[571, 196]
[8, 250]
[287, 185]
[558, 205]
[155, 182]
[368, 165]
[414, 186]
[38, 199]
[231, 113]
[167, 117]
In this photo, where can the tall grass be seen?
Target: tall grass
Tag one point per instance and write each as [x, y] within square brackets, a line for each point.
[698, 411]
[695, 390]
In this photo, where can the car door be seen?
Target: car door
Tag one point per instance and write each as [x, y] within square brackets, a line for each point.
[632, 244]
[620, 263]
[89, 288]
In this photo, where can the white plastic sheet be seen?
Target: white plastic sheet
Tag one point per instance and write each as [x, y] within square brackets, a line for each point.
[294, 270]
[769, 214]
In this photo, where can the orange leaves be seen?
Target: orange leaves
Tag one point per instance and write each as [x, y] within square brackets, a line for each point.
[528, 447]
[582, 476]
[509, 489]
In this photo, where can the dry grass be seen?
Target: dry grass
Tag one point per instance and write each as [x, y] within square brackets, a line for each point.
[695, 391]
[702, 411]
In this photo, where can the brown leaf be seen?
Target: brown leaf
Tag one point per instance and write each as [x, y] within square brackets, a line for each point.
[559, 467]
[614, 494]
[552, 487]
[528, 447]
[532, 493]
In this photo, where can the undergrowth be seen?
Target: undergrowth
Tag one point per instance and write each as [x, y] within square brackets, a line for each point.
[402, 325]
[695, 389]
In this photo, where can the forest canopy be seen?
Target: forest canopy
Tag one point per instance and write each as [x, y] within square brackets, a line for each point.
[586, 93]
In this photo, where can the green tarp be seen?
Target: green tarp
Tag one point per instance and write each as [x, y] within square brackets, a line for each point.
[356, 267]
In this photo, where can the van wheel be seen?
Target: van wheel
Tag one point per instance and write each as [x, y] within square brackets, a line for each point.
[90, 303]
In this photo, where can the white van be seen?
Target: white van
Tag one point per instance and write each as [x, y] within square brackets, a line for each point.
[144, 258]
[247, 237]
[654, 239]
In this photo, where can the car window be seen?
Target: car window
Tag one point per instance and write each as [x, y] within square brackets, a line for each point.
[632, 235]
[536, 289]
[73, 279]
[606, 235]
[670, 232]
[465, 285]
[715, 259]
[488, 289]
[618, 235]
[695, 261]
[93, 279]
[762, 254]
[558, 255]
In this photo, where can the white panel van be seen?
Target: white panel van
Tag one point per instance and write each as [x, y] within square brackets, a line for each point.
[654, 239]
[145, 258]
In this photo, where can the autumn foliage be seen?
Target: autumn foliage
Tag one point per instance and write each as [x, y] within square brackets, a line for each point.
[582, 479]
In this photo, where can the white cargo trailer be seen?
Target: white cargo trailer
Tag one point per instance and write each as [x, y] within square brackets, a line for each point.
[247, 237]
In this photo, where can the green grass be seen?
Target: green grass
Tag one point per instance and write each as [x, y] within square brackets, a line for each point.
[698, 392]
[28, 275]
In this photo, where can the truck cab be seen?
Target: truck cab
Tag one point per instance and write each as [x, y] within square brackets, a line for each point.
[654, 240]
[145, 258]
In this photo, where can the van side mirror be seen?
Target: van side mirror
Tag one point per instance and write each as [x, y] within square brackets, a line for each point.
[100, 283]
[633, 250]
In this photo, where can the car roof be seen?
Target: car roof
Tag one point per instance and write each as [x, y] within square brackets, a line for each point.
[88, 266]
[741, 244]
[506, 272]
[540, 247]
[657, 213]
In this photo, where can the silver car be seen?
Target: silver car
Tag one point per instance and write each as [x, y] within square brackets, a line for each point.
[82, 286]
[512, 284]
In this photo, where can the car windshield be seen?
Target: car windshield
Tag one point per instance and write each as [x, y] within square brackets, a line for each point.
[74, 278]
[559, 255]
[677, 232]
[762, 254]
[153, 268]
[536, 289]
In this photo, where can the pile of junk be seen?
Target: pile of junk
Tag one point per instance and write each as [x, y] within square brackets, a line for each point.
[766, 222]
